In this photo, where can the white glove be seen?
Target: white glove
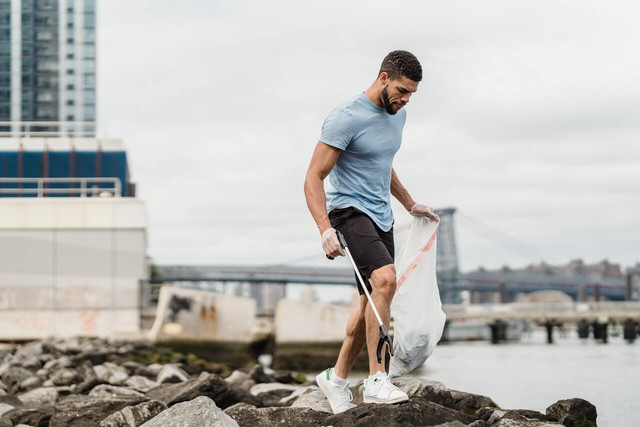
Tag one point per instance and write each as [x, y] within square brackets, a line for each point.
[331, 244]
[424, 210]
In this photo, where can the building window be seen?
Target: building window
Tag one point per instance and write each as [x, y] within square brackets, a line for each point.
[89, 20]
[70, 102]
[90, 5]
[89, 50]
[89, 65]
[5, 64]
[44, 35]
[89, 80]
[90, 96]
[89, 113]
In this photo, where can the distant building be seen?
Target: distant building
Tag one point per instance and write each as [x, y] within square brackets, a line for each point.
[576, 267]
[48, 65]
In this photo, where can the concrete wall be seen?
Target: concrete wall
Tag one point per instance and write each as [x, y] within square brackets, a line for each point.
[193, 315]
[305, 322]
[71, 266]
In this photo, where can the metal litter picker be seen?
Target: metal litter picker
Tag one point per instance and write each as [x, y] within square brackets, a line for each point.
[384, 335]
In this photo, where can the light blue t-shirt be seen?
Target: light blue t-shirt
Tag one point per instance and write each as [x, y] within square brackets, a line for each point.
[369, 138]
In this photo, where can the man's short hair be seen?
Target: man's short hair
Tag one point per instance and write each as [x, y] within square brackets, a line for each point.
[401, 63]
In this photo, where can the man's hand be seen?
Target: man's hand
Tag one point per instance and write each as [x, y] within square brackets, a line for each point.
[331, 244]
[424, 210]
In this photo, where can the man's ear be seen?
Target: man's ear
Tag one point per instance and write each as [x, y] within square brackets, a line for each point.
[383, 77]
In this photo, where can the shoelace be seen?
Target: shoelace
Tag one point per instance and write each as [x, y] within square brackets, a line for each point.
[349, 395]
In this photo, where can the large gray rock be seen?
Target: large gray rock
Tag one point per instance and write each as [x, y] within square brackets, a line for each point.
[417, 411]
[5, 408]
[37, 417]
[433, 391]
[13, 376]
[259, 376]
[171, 373]
[66, 376]
[246, 415]
[111, 373]
[81, 411]
[209, 385]
[44, 396]
[109, 391]
[436, 392]
[61, 362]
[134, 416]
[313, 399]
[287, 401]
[237, 378]
[272, 393]
[30, 383]
[140, 383]
[573, 412]
[199, 412]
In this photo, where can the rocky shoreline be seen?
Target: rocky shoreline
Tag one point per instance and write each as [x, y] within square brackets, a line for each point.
[108, 383]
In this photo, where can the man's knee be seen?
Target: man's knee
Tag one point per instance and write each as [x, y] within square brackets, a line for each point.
[383, 280]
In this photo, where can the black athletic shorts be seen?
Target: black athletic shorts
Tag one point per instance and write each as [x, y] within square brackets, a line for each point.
[370, 247]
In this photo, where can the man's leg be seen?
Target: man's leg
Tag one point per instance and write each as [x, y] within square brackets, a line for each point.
[383, 282]
[354, 340]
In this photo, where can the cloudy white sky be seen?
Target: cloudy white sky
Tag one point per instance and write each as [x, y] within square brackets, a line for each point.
[527, 120]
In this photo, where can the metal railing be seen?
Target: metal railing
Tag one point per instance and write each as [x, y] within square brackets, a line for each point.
[88, 187]
[22, 129]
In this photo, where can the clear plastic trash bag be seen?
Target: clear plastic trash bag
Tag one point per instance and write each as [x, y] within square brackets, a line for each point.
[416, 307]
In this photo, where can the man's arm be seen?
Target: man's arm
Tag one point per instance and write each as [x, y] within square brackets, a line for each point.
[399, 192]
[323, 160]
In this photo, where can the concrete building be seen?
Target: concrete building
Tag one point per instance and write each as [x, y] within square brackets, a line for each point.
[48, 65]
[72, 239]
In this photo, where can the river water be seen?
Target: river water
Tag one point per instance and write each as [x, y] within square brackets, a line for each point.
[531, 374]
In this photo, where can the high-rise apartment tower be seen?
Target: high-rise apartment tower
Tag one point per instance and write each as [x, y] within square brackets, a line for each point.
[48, 64]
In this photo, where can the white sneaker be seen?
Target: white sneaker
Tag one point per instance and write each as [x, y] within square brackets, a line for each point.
[339, 397]
[378, 389]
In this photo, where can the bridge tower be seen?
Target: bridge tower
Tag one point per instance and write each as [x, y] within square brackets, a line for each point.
[447, 255]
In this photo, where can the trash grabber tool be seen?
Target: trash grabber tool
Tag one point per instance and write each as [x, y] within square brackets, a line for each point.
[384, 335]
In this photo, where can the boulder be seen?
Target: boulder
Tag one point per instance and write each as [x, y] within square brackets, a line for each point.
[237, 378]
[287, 401]
[573, 412]
[433, 391]
[30, 383]
[110, 391]
[206, 384]
[36, 417]
[417, 411]
[61, 362]
[171, 373]
[111, 373]
[66, 376]
[80, 411]
[90, 378]
[259, 376]
[134, 368]
[271, 393]
[246, 415]
[13, 376]
[134, 416]
[469, 403]
[199, 412]
[44, 396]
[313, 399]
[140, 383]
[5, 408]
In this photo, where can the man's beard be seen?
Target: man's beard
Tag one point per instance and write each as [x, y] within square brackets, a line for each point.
[385, 102]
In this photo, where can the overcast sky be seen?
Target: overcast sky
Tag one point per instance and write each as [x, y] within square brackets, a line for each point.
[527, 120]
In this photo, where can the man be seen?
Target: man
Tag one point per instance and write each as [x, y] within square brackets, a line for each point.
[356, 149]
